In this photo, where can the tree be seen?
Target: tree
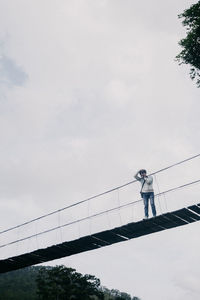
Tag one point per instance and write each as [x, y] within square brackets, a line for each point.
[116, 295]
[190, 53]
[61, 283]
[55, 283]
[19, 285]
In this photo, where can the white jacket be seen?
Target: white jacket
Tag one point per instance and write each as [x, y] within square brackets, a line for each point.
[148, 185]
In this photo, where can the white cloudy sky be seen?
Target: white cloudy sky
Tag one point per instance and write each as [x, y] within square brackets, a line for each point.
[89, 93]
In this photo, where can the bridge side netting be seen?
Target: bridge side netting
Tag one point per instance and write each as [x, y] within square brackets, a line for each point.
[175, 187]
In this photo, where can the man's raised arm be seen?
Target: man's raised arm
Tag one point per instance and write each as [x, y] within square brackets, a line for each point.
[137, 177]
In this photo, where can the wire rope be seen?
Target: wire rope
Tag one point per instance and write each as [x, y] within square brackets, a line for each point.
[98, 214]
[96, 196]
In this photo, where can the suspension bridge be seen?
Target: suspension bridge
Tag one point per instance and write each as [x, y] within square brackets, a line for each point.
[66, 245]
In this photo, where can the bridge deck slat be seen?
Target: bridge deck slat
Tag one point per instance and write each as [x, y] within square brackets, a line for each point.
[192, 215]
[163, 222]
[82, 244]
[185, 215]
[40, 255]
[141, 228]
[109, 236]
[175, 220]
[195, 208]
[124, 232]
[54, 252]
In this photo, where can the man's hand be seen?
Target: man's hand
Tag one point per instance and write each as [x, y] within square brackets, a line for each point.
[143, 176]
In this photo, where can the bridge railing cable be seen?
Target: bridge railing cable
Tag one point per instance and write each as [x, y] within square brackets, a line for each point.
[97, 214]
[97, 195]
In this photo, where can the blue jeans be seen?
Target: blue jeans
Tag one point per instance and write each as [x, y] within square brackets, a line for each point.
[146, 197]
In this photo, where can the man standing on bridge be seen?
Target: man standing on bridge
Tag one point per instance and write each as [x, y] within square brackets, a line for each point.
[146, 192]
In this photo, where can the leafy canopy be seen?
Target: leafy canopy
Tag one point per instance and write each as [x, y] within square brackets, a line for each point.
[65, 283]
[55, 283]
[190, 53]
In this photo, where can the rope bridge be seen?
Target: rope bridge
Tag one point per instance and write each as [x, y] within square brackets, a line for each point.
[98, 239]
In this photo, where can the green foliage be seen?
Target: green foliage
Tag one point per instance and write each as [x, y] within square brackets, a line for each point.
[190, 53]
[116, 295]
[19, 285]
[60, 283]
[55, 283]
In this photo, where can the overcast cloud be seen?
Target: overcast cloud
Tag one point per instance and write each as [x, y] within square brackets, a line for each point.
[90, 93]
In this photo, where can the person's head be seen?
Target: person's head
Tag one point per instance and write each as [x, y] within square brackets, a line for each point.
[143, 172]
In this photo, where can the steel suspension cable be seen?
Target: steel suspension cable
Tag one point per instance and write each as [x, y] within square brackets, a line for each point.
[98, 214]
[95, 196]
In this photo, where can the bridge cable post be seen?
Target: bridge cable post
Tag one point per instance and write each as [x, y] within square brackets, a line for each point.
[165, 201]
[79, 230]
[119, 204]
[88, 213]
[132, 212]
[59, 224]
[17, 244]
[158, 193]
[36, 236]
[28, 245]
